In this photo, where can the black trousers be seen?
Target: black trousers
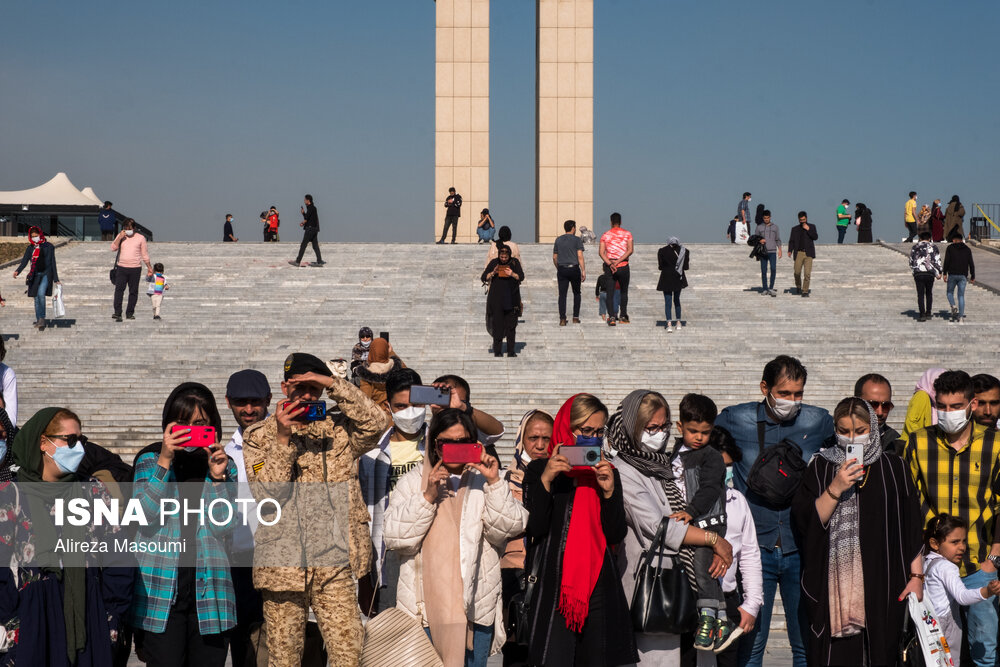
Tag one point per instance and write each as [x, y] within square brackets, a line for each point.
[309, 236]
[622, 276]
[181, 645]
[449, 221]
[568, 275]
[127, 277]
[925, 289]
[249, 610]
[504, 326]
[911, 227]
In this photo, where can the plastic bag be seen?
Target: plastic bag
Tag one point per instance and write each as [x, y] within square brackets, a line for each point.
[58, 307]
[929, 633]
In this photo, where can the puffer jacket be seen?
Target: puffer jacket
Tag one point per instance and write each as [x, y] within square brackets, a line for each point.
[490, 517]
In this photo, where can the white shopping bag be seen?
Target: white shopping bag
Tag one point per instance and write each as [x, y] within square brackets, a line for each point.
[932, 640]
[58, 307]
[742, 233]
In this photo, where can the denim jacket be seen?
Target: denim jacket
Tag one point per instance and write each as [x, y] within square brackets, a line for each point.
[809, 430]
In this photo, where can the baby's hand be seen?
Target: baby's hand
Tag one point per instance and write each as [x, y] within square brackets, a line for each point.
[993, 587]
[681, 516]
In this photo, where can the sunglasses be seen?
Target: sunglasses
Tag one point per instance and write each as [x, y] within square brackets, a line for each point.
[885, 405]
[71, 439]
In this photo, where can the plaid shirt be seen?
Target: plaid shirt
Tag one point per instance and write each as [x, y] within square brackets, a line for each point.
[156, 587]
[963, 482]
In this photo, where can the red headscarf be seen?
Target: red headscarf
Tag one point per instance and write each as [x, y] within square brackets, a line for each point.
[585, 542]
[36, 250]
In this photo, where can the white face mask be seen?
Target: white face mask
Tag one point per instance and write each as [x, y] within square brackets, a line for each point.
[411, 419]
[129, 232]
[784, 409]
[952, 421]
[34, 239]
[654, 442]
[366, 344]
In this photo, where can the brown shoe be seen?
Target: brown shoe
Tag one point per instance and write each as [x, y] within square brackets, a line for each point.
[562, 322]
[576, 320]
[623, 320]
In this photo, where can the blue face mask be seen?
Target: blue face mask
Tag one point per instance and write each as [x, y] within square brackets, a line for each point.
[68, 458]
[729, 477]
[592, 440]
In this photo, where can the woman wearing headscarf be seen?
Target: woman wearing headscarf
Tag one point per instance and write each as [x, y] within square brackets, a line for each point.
[185, 604]
[953, 216]
[863, 219]
[937, 222]
[920, 412]
[503, 302]
[532, 442]
[374, 372]
[673, 261]
[485, 228]
[860, 523]
[57, 607]
[758, 216]
[503, 238]
[43, 273]
[639, 432]
[579, 614]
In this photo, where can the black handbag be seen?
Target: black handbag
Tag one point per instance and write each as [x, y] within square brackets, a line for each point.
[910, 652]
[662, 601]
[113, 273]
[519, 607]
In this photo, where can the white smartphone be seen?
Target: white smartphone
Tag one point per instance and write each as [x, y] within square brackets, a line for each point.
[856, 452]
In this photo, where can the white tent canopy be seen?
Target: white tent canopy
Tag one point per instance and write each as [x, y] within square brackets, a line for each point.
[60, 191]
[89, 192]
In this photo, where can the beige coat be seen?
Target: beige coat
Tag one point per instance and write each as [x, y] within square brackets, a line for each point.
[325, 451]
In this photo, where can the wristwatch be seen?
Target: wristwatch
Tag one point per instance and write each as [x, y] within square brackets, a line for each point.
[995, 560]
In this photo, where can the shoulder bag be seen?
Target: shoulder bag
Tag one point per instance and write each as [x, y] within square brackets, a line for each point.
[777, 472]
[519, 606]
[114, 269]
[662, 600]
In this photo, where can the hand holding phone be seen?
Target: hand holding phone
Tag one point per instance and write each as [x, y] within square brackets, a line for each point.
[461, 452]
[582, 456]
[429, 395]
[313, 411]
[200, 436]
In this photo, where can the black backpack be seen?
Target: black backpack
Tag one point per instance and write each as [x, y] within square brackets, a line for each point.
[777, 472]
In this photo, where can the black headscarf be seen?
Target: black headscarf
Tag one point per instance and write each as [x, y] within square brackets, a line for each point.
[758, 217]
[188, 466]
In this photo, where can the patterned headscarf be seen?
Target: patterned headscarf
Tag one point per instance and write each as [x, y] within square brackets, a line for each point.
[36, 250]
[515, 473]
[622, 426]
[681, 254]
[845, 577]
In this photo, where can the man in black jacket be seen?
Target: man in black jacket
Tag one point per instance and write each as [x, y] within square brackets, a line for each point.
[310, 224]
[453, 204]
[803, 250]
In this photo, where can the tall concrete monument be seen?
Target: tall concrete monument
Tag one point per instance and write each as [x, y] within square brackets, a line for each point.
[564, 104]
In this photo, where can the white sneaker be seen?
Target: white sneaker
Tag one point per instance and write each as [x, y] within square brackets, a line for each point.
[670, 329]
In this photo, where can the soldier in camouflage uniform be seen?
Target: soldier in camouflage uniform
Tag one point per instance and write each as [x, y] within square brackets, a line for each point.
[316, 519]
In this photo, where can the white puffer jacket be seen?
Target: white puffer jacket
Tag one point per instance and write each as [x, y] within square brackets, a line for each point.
[490, 517]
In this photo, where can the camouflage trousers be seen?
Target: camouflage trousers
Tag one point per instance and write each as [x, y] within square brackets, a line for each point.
[332, 594]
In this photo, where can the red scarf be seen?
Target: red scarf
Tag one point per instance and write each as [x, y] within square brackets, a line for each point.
[585, 543]
[35, 252]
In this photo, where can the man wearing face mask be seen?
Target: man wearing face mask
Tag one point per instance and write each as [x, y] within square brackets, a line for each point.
[289, 446]
[955, 468]
[400, 449]
[130, 247]
[876, 389]
[755, 426]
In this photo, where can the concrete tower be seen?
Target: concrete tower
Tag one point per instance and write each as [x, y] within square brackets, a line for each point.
[462, 111]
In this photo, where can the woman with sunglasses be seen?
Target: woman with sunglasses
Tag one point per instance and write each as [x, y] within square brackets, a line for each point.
[449, 522]
[58, 606]
[579, 614]
[185, 603]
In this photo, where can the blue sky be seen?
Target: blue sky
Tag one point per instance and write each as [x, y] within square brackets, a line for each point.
[182, 111]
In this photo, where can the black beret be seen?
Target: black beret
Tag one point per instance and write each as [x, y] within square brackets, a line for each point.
[303, 362]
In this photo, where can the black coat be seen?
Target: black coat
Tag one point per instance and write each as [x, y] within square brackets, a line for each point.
[890, 529]
[865, 226]
[801, 239]
[46, 265]
[666, 261]
[606, 638]
[505, 293]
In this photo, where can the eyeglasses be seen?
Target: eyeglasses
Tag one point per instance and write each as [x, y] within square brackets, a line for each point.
[588, 432]
[70, 439]
[885, 405]
[654, 429]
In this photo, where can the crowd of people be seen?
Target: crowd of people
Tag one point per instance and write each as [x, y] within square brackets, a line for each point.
[544, 558]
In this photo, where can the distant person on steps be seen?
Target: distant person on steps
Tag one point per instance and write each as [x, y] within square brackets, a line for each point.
[43, 273]
[310, 225]
[616, 248]
[227, 230]
[131, 246]
[453, 210]
[106, 220]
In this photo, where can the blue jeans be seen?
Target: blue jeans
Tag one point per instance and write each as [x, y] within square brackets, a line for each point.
[981, 628]
[486, 233]
[676, 297]
[482, 639]
[43, 285]
[841, 233]
[772, 259]
[959, 282]
[779, 570]
[603, 302]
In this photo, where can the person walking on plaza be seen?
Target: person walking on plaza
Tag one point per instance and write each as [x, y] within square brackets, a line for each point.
[771, 238]
[743, 211]
[43, 273]
[310, 226]
[673, 261]
[953, 217]
[567, 255]
[843, 220]
[227, 230]
[131, 248]
[910, 218]
[937, 221]
[616, 248]
[106, 221]
[925, 263]
[453, 210]
[863, 219]
[802, 248]
[959, 268]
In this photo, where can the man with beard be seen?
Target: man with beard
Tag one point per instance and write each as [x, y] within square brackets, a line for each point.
[876, 389]
[247, 394]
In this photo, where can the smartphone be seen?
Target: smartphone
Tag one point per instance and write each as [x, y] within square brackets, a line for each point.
[856, 452]
[581, 456]
[461, 452]
[201, 436]
[384, 335]
[315, 411]
[425, 395]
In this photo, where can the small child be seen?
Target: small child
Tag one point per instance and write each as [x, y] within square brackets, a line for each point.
[600, 291]
[699, 474]
[945, 542]
[157, 283]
